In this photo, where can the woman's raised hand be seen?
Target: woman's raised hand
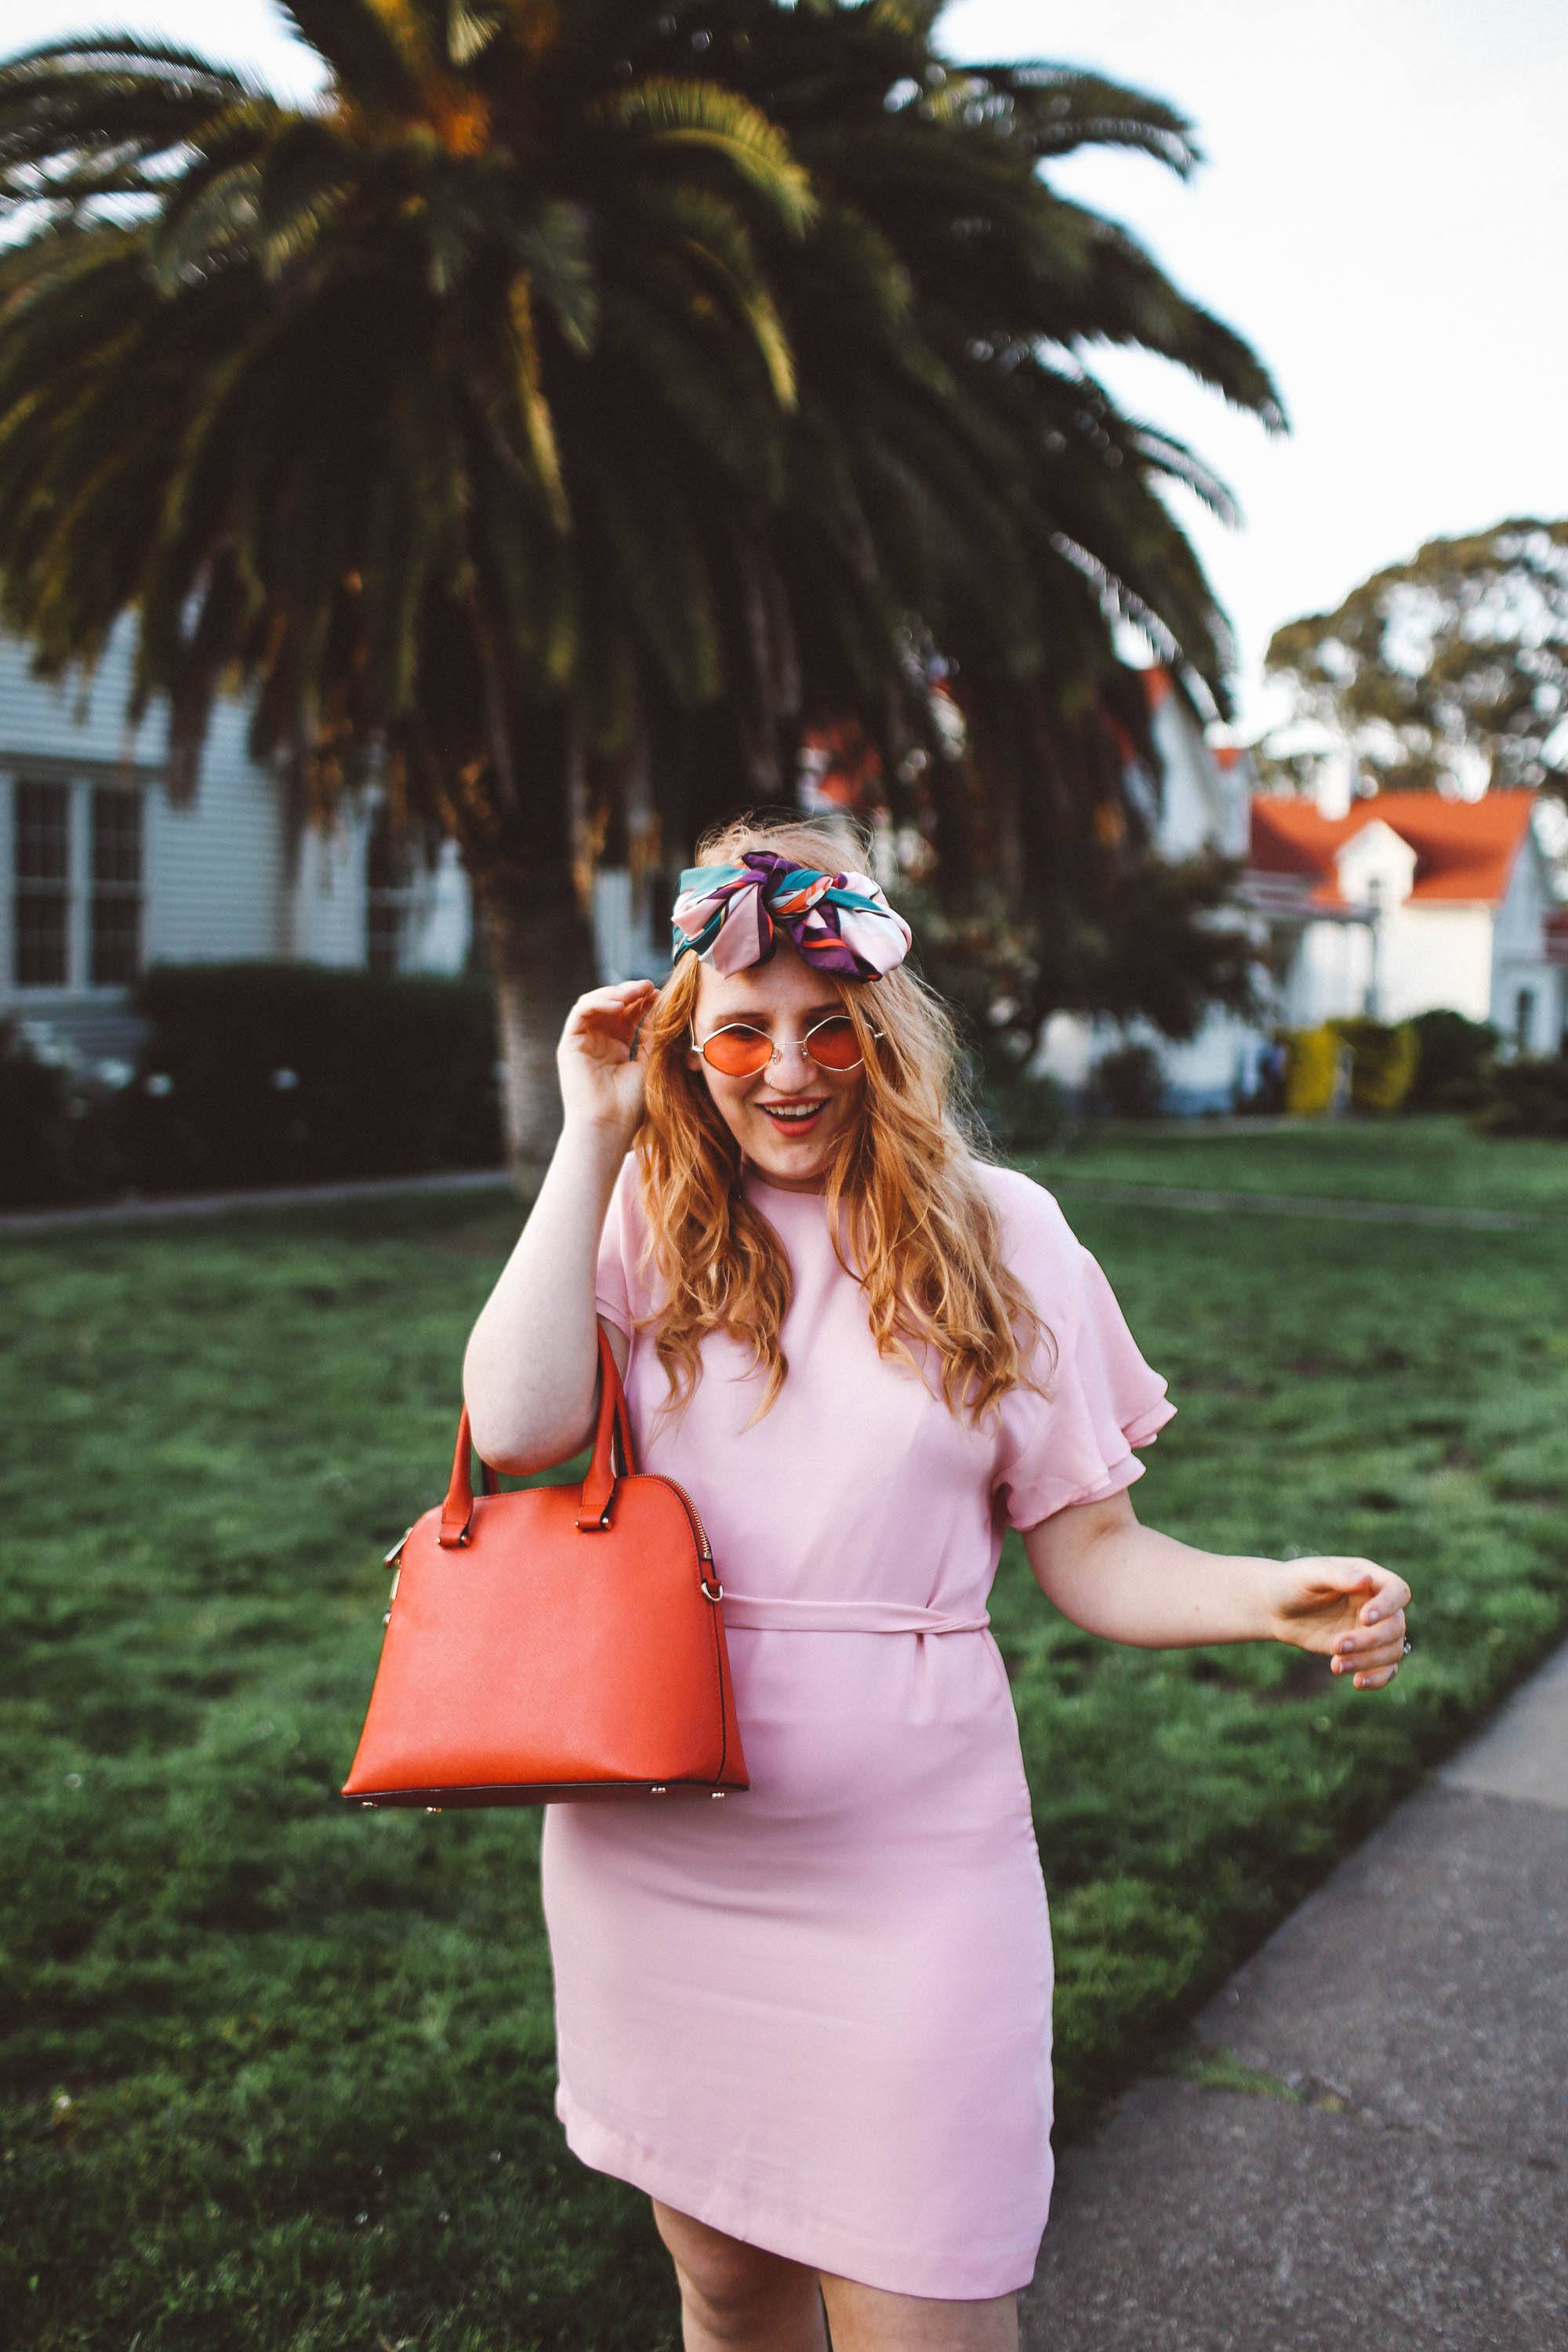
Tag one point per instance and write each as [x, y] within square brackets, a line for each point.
[1352, 1609]
[601, 1084]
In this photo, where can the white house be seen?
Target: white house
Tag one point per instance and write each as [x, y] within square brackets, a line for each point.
[100, 875]
[1411, 900]
[1389, 905]
[1200, 799]
[1392, 904]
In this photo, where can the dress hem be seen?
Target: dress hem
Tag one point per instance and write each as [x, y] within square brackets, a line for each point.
[896, 2270]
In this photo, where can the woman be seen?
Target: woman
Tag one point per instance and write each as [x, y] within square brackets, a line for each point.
[813, 2020]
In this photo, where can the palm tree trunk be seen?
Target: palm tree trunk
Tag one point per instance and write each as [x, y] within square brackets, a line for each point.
[533, 899]
[538, 946]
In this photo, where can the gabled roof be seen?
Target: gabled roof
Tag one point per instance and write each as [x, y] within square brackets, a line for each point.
[1464, 849]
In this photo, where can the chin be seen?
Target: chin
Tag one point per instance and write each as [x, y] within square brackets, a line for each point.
[782, 1159]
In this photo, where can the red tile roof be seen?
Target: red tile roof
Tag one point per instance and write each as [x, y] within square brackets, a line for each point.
[1464, 849]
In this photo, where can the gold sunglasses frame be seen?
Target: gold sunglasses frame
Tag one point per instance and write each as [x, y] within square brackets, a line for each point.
[802, 1045]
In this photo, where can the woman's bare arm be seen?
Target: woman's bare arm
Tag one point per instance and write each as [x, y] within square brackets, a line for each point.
[1108, 1574]
[530, 1371]
[530, 1368]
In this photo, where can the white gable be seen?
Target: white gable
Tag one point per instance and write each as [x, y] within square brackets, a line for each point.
[1375, 863]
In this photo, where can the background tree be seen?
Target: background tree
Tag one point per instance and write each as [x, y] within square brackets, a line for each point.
[1447, 670]
[569, 406]
[1110, 926]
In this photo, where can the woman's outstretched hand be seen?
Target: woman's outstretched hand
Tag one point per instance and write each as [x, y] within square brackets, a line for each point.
[601, 1084]
[1351, 1609]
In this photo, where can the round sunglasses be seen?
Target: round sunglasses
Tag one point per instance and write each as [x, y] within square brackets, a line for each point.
[739, 1049]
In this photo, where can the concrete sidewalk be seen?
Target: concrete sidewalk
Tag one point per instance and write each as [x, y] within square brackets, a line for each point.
[158, 1208]
[1367, 2142]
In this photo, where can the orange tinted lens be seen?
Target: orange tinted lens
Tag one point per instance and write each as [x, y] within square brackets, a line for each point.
[833, 1044]
[738, 1052]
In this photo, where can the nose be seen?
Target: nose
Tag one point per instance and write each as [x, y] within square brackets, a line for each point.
[794, 1073]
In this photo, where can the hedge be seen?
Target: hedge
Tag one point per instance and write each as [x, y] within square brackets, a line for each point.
[255, 1073]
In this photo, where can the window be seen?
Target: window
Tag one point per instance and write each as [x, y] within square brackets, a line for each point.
[77, 883]
[115, 904]
[1523, 1018]
[41, 930]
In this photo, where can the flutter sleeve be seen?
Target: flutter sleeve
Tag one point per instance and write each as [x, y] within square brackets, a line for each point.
[1079, 1446]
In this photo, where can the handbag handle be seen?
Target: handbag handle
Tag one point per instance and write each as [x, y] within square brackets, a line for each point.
[612, 1431]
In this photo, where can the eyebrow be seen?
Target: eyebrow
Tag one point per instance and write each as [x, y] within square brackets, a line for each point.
[759, 1021]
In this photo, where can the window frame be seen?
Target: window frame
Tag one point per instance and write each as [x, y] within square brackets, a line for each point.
[82, 891]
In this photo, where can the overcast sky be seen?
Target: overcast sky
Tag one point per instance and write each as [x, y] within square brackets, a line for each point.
[1382, 214]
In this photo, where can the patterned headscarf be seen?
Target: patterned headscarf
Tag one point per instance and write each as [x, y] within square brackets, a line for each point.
[839, 922]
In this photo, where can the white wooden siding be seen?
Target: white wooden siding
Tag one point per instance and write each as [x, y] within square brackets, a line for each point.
[214, 885]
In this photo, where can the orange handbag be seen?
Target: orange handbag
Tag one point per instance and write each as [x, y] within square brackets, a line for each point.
[553, 1643]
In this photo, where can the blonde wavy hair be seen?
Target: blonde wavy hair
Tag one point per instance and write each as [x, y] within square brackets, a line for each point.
[921, 1228]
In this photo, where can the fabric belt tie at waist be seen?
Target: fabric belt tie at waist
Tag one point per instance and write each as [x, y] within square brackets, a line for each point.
[761, 1612]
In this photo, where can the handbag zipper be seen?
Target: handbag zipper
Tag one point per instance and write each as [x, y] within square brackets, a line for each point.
[697, 1527]
[394, 1557]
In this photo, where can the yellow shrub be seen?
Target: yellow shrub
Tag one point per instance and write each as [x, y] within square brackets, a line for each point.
[1312, 1058]
[1383, 1060]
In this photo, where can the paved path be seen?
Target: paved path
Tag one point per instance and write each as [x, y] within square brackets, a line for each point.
[1366, 2142]
[154, 1208]
[1297, 1204]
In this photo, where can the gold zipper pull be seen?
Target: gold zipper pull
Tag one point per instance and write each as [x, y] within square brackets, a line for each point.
[395, 1554]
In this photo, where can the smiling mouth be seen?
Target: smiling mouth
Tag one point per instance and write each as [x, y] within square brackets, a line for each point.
[793, 1117]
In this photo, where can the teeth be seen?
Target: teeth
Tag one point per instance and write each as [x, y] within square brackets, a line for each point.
[795, 1115]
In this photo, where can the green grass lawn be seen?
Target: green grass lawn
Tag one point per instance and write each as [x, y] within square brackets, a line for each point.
[278, 2074]
[1424, 1157]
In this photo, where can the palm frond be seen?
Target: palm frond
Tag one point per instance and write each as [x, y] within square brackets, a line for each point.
[369, 67]
[652, 331]
[79, 117]
[709, 230]
[670, 114]
[555, 247]
[539, 425]
[1060, 109]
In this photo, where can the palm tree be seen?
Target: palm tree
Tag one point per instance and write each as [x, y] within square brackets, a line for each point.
[571, 403]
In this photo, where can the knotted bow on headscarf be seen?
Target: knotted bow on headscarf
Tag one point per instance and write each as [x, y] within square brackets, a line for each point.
[839, 922]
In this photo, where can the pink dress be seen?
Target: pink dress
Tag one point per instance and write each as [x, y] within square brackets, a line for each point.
[817, 2015]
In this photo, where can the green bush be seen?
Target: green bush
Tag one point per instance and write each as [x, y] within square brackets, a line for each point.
[34, 1160]
[1022, 1110]
[1457, 1059]
[61, 1122]
[1528, 1095]
[1128, 1082]
[256, 1073]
